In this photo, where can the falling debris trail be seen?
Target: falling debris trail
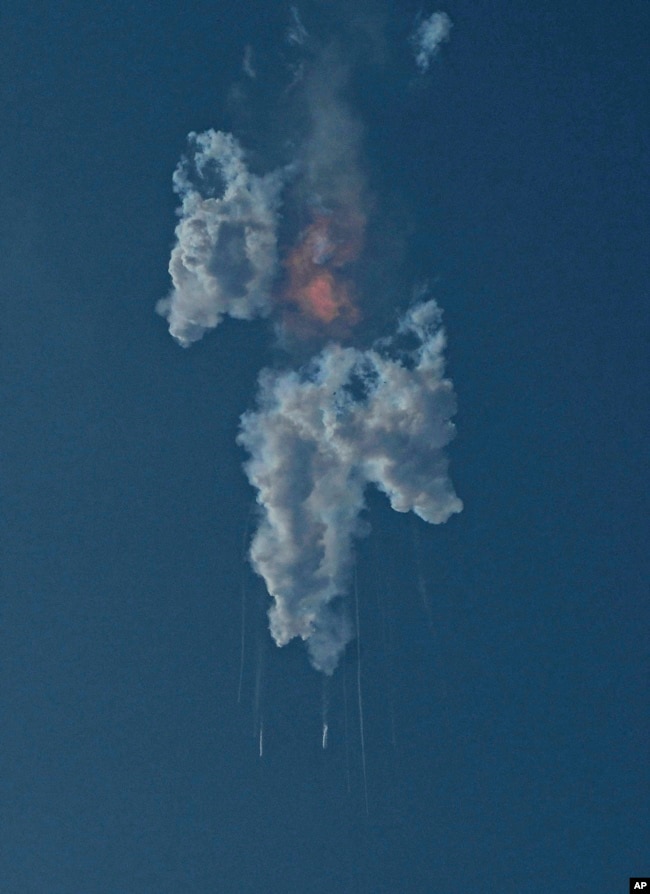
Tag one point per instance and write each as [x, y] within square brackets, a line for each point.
[244, 547]
[259, 686]
[345, 729]
[243, 635]
[262, 738]
[363, 742]
[391, 702]
[325, 709]
[422, 584]
[387, 638]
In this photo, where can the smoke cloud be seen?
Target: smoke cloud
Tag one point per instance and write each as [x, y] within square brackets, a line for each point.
[225, 255]
[318, 437]
[428, 36]
[287, 245]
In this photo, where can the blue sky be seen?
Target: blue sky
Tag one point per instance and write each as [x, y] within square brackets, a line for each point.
[505, 701]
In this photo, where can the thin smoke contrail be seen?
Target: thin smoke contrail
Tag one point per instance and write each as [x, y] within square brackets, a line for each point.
[325, 710]
[243, 607]
[345, 730]
[361, 730]
[258, 691]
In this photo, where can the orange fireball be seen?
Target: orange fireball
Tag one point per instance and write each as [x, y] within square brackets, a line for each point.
[318, 296]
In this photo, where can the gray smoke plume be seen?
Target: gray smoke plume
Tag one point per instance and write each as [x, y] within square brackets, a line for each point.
[331, 151]
[318, 437]
[225, 255]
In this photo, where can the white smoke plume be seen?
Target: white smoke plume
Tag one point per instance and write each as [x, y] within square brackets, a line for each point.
[225, 255]
[428, 36]
[318, 437]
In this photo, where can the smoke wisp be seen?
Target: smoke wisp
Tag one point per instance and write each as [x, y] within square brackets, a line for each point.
[428, 36]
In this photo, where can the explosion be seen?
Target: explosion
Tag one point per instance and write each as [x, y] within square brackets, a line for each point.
[319, 296]
[335, 418]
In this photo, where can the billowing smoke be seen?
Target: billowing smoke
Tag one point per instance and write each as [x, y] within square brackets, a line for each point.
[225, 257]
[318, 437]
[287, 245]
[428, 36]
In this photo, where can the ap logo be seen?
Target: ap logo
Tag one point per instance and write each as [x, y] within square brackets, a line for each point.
[640, 884]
